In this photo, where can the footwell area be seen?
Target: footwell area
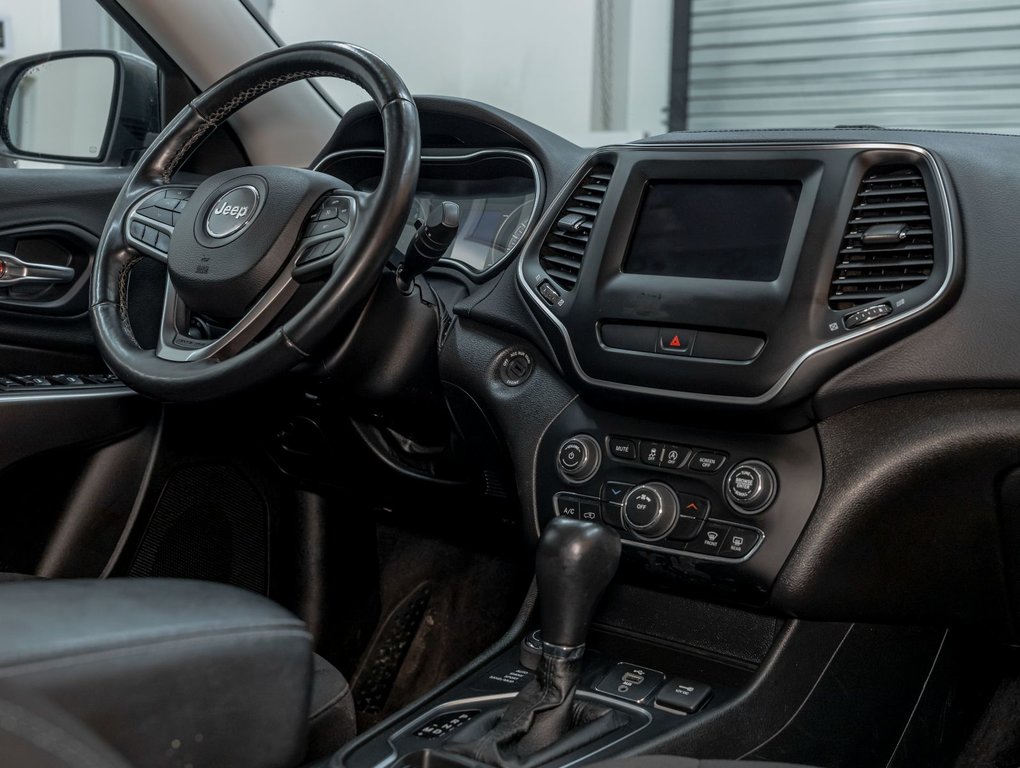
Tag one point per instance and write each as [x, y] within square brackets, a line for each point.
[442, 604]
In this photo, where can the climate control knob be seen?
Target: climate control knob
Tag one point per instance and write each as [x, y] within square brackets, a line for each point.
[750, 487]
[650, 510]
[578, 458]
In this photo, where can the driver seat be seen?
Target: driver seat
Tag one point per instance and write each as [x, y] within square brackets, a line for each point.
[168, 672]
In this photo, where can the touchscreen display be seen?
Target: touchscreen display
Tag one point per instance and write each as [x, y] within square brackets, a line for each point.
[718, 230]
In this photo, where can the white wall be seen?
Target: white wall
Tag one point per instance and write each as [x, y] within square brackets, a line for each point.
[534, 58]
[33, 26]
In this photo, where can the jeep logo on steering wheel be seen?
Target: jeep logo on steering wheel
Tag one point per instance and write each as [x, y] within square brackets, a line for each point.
[232, 211]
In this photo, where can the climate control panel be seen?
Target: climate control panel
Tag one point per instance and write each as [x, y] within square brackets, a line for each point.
[703, 505]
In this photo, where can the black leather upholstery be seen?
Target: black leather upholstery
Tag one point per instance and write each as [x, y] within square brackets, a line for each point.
[168, 672]
[35, 734]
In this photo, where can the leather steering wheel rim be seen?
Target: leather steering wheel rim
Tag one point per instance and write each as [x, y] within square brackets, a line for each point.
[381, 216]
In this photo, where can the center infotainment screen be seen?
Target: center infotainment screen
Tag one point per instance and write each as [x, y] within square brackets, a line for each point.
[723, 230]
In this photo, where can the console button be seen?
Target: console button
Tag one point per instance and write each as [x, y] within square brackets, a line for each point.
[740, 542]
[651, 453]
[706, 461]
[622, 448]
[686, 528]
[642, 508]
[710, 540]
[674, 456]
[590, 510]
[630, 682]
[727, 346]
[676, 341]
[578, 458]
[567, 505]
[636, 338]
[683, 695]
[693, 506]
[571, 455]
[612, 515]
[750, 487]
[614, 491]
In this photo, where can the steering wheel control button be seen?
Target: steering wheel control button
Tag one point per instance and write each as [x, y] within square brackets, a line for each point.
[516, 367]
[622, 448]
[578, 459]
[750, 487]
[683, 695]
[706, 461]
[650, 510]
[651, 453]
[630, 682]
[710, 540]
[232, 211]
[676, 341]
[674, 456]
[614, 492]
[740, 542]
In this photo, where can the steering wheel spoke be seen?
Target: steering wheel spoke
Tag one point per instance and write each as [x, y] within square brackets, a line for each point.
[183, 337]
[150, 222]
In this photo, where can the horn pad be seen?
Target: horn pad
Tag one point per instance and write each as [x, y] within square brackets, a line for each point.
[237, 233]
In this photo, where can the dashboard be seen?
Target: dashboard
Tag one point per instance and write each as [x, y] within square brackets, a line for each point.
[749, 323]
[498, 191]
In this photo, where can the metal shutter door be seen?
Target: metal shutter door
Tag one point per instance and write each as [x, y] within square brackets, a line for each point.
[895, 63]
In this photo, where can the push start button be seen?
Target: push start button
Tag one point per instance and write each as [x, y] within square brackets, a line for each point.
[630, 682]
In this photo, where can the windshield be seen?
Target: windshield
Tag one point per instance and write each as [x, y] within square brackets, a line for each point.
[600, 71]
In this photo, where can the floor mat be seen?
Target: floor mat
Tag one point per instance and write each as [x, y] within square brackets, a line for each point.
[374, 680]
[473, 597]
[995, 742]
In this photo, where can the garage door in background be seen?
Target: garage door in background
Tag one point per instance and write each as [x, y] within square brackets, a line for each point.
[896, 63]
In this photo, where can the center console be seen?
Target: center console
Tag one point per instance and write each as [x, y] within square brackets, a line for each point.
[703, 507]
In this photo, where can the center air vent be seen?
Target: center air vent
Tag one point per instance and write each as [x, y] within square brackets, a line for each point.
[887, 246]
[563, 250]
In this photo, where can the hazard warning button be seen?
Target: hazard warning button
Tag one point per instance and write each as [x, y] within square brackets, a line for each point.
[676, 341]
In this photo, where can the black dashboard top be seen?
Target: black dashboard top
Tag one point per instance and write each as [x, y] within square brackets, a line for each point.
[946, 333]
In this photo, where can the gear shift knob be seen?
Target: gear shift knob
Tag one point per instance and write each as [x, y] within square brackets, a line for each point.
[574, 564]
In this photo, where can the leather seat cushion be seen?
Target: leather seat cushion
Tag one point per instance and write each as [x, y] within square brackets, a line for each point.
[167, 671]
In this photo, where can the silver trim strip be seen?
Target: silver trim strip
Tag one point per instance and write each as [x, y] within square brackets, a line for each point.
[536, 206]
[770, 394]
[71, 393]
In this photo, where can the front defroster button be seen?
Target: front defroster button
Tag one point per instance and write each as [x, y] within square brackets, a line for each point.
[710, 541]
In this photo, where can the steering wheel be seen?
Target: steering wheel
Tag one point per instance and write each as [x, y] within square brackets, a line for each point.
[238, 245]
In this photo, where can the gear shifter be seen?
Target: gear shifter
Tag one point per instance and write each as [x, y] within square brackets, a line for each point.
[573, 566]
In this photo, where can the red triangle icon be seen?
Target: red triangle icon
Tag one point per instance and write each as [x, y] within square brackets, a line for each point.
[675, 342]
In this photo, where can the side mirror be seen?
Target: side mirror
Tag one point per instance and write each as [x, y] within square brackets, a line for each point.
[78, 107]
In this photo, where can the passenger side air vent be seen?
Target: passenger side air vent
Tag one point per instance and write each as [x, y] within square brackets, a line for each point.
[887, 246]
[563, 250]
